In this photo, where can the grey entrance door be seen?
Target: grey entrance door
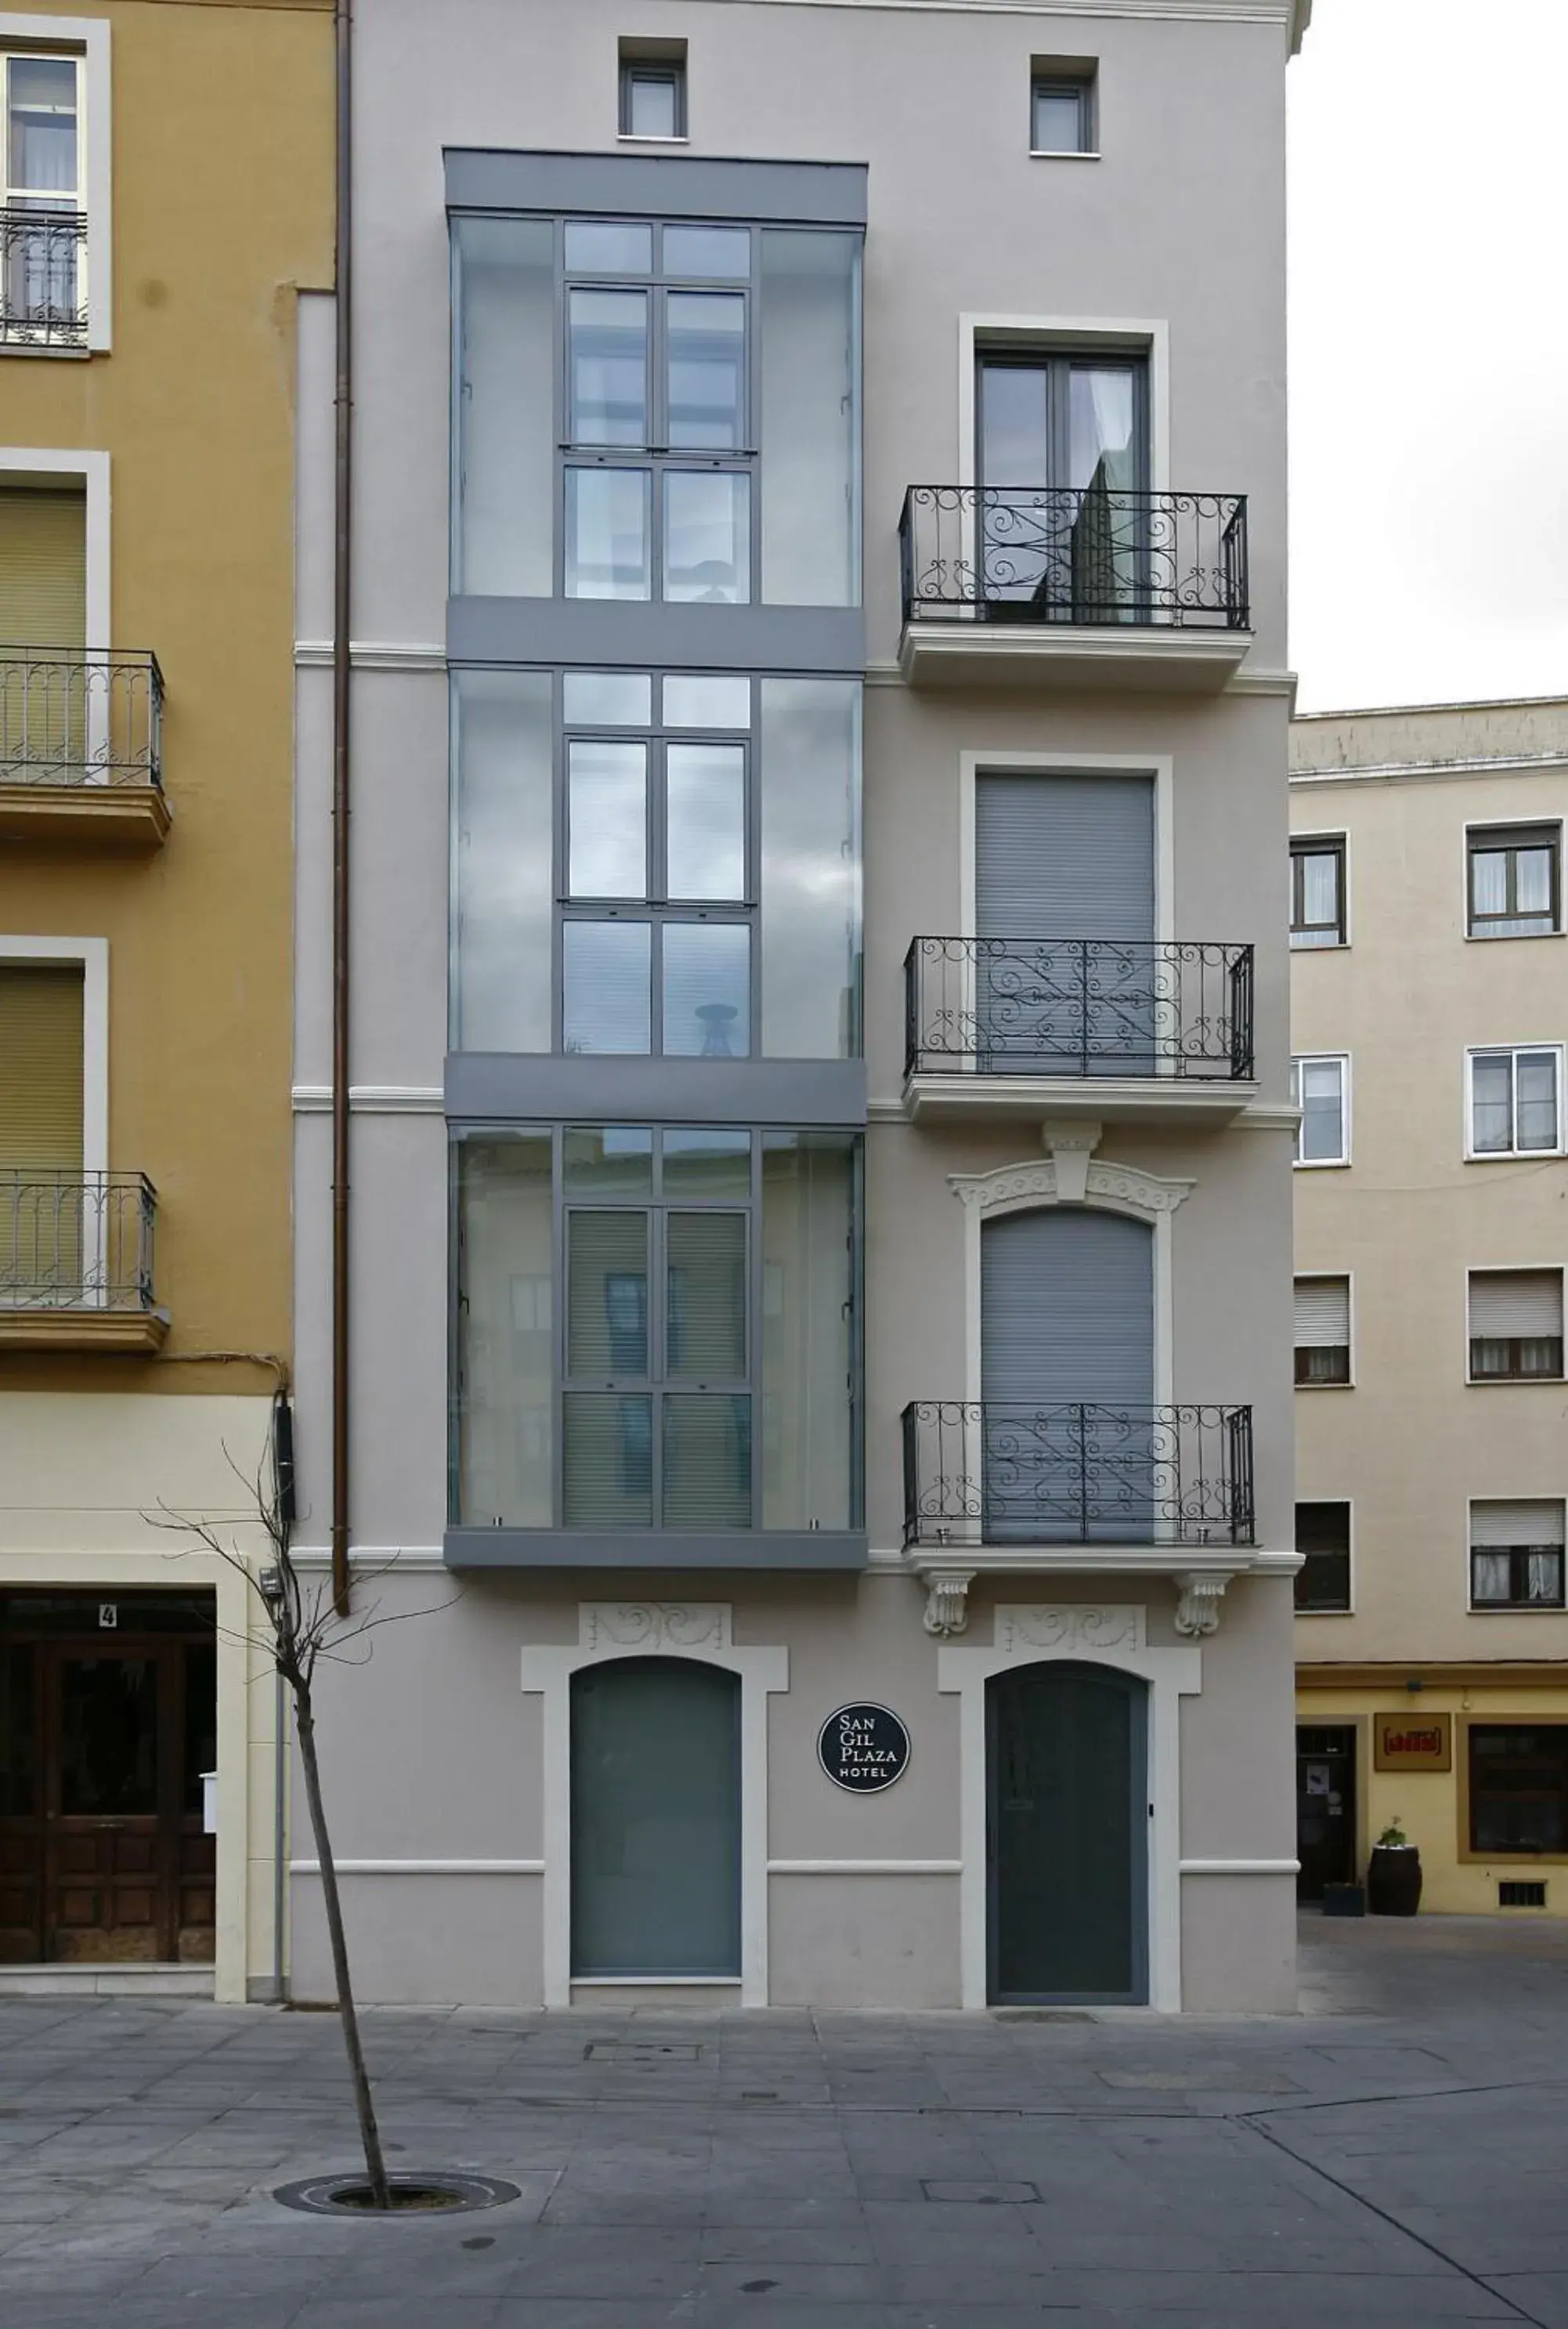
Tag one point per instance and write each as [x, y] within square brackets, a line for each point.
[1067, 1846]
[1067, 1378]
[656, 1819]
[1067, 980]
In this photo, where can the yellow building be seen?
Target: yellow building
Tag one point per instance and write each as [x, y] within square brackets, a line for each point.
[165, 191]
[1430, 1019]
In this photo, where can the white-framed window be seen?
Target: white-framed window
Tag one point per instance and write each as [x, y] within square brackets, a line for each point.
[1320, 1088]
[1514, 1104]
[1317, 889]
[1516, 1552]
[1516, 1325]
[54, 185]
[1322, 1332]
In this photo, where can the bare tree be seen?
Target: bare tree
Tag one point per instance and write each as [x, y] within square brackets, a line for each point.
[298, 1624]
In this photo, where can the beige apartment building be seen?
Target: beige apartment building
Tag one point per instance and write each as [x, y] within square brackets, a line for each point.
[1429, 1015]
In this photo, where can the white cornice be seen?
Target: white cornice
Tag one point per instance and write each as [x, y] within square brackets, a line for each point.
[1386, 772]
[371, 654]
[372, 1099]
[1190, 12]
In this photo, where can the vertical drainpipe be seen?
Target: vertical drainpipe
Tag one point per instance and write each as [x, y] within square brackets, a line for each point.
[342, 507]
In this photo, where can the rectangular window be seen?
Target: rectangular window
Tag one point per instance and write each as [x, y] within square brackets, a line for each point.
[1320, 1088]
[1518, 1787]
[43, 286]
[1516, 1325]
[656, 862]
[1318, 892]
[1515, 1101]
[1063, 469]
[1516, 1553]
[704, 1370]
[1323, 1330]
[1515, 874]
[1062, 91]
[1323, 1539]
[654, 89]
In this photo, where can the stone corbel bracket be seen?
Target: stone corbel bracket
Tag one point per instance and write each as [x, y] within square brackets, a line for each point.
[1199, 1594]
[947, 1600]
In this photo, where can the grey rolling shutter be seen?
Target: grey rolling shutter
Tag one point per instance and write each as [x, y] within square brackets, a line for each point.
[1506, 1303]
[1507, 1521]
[1067, 1309]
[1064, 857]
[1322, 1313]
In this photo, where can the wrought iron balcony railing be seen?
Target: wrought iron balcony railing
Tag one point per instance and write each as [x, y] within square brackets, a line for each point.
[1093, 554]
[73, 716]
[43, 277]
[980, 1473]
[1079, 1007]
[76, 1240]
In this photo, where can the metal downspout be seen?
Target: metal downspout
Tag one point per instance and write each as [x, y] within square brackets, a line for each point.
[342, 509]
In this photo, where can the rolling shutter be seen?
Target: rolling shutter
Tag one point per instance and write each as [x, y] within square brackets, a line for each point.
[42, 569]
[1504, 1520]
[1067, 1309]
[1064, 857]
[1322, 1313]
[41, 1068]
[1509, 1303]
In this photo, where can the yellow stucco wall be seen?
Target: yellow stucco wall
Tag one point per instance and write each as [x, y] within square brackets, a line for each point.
[222, 140]
[1429, 1804]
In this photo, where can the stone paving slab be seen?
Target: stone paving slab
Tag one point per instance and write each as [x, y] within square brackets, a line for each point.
[1397, 2153]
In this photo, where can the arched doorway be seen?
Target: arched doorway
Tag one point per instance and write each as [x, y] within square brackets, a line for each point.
[655, 1820]
[1067, 1835]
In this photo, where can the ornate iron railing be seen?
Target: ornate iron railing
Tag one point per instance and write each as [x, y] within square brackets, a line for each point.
[71, 716]
[1177, 1007]
[990, 1472]
[76, 1240]
[1091, 554]
[43, 277]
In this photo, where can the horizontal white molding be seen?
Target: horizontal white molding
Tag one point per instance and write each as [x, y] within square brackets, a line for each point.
[1240, 1867]
[1181, 12]
[370, 1556]
[372, 1099]
[371, 654]
[1245, 682]
[422, 1867]
[1257, 1116]
[865, 1867]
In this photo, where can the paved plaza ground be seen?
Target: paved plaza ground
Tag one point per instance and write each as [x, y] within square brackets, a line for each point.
[1397, 2153]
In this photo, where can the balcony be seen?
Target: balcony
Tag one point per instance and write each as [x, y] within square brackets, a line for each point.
[81, 737]
[1073, 587]
[43, 277]
[76, 1262]
[1166, 1486]
[1122, 1029]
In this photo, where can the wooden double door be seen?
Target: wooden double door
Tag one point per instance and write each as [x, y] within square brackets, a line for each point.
[104, 1738]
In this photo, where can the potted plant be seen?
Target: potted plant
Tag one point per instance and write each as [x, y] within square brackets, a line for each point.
[1393, 1874]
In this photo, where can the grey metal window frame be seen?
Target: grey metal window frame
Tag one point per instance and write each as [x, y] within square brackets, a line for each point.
[634, 69]
[656, 460]
[658, 1385]
[1302, 932]
[1507, 841]
[1083, 89]
[658, 735]
[1060, 359]
[657, 910]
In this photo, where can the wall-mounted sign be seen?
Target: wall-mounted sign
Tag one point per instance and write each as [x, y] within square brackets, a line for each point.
[1412, 1742]
[863, 1748]
[109, 1614]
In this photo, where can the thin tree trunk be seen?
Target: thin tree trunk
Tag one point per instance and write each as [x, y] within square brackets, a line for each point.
[369, 2134]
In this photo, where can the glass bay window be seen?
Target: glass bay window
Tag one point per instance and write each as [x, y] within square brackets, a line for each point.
[652, 863]
[656, 410]
[656, 1329]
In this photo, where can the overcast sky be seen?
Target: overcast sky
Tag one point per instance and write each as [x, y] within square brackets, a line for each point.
[1429, 351]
